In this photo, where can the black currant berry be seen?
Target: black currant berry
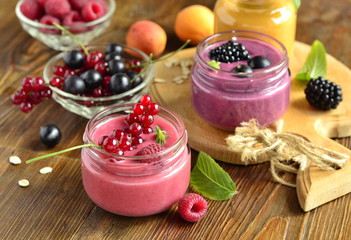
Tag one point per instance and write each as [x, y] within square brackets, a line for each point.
[132, 75]
[259, 62]
[74, 84]
[116, 66]
[242, 68]
[74, 59]
[50, 135]
[114, 48]
[120, 83]
[92, 79]
[112, 56]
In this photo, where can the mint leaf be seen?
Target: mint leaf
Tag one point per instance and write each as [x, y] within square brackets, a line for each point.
[297, 3]
[315, 64]
[160, 136]
[214, 64]
[210, 180]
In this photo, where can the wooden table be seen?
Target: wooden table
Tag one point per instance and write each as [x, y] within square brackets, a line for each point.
[55, 206]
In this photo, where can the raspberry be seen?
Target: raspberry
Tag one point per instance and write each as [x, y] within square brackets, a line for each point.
[32, 9]
[192, 207]
[323, 94]
[93, 10]
[70, 18]
[57, 8]
[49, 20]
[150, 149]
[78, 4]
[42, 2]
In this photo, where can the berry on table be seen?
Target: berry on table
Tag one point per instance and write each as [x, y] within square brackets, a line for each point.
[323, 94]
[50, 135]
[192, 207]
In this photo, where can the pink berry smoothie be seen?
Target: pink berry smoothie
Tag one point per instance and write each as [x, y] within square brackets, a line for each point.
[225, 100]
[129, 185]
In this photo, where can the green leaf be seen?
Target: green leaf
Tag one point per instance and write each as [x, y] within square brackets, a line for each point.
[214, 64]
[161, 136]
[297, 3]
[315, 64]
[210, 180]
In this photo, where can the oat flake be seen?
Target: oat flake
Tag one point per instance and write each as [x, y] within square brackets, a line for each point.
[45, 170]
[15, 160]
[23, 183]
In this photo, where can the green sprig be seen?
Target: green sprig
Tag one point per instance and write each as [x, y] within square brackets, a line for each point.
[72, 36]
[63, 151]
[160, 136]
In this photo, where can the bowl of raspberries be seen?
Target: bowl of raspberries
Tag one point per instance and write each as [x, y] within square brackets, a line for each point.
[87, 19]
[86, 81]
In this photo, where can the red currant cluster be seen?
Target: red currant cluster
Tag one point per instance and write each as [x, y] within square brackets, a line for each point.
[139, 122]
[32, 91]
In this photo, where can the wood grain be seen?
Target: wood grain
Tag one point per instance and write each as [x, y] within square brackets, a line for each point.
[55, 206]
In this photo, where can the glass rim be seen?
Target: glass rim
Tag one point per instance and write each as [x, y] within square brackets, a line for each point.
[243, 34]
[110, 11]
[149, 75]
[124, 107]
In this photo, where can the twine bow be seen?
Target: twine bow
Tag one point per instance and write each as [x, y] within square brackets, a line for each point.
[282, 149]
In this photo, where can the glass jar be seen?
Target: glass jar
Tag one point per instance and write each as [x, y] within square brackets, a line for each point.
[135, 185]
[225, 99]
[276, 18]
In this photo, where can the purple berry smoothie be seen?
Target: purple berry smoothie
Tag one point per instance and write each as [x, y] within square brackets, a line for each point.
[225, 100]
[127, 186]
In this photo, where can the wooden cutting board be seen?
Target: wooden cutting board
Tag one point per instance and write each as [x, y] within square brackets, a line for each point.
[314, 187]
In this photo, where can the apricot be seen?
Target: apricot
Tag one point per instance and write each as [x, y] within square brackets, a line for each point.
[194, 22]
[147, 36]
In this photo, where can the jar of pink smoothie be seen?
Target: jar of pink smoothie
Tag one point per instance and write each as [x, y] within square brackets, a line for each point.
[133, 185]
[225, 99]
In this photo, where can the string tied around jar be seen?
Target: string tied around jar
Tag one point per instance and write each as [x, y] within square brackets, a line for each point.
[286, 152]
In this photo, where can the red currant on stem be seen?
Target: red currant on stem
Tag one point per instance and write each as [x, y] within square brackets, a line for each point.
[136, 129]
[132, 118]
[59, 70]
[138, 109]
[146, 119]
[27, 84]
[145, 100]
[153, 109]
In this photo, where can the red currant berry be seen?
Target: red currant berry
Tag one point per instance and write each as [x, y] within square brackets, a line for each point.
[110, 144]
[38, 84]
[153, 109]
[27, 84]
[137, 140]
[56, 82]
[125, 144]
[138, 109]
[46, 93]
[26, 107]
[106, 82]
[106, 92]
[136, 62]
[92, 59]
[136, 129]
[119, 133]
[34, 97]
[146, 119]
[119, 151]
[145, 100]
[59, 70]
[97, 92]
[132, 118]
[69, 72]
[101, 67]
[101, 140]
[147, 130]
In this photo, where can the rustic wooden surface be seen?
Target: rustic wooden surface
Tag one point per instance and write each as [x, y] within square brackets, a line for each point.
[55, 206]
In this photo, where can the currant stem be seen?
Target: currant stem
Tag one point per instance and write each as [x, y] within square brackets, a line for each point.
[162, 58]
[63, 151]
[86, 52]
[148, 62]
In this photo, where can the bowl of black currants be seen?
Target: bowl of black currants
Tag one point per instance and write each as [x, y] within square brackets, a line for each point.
[86, 81]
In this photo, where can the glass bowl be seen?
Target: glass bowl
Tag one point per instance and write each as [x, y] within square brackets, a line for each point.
[55, 39]
[89, 106]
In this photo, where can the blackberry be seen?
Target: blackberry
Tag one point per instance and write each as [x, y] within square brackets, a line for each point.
[229, 52]
[323, 94]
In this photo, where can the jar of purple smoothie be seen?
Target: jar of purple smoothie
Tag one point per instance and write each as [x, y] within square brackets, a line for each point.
[224, 98]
